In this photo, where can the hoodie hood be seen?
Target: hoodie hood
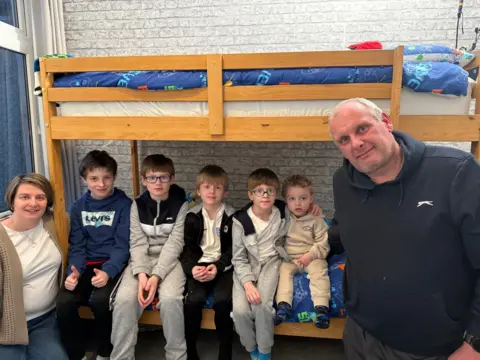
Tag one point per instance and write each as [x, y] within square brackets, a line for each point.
[116, 195]
[413, 152]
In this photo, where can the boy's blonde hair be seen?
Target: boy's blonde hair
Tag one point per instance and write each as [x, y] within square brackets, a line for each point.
[37, 180]
[263, 176]
[157, 162]
[296, 181]
[212, 174]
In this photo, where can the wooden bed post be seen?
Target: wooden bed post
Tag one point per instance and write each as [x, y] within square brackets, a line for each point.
[54, 163]
[476, 144]
[215, 94]
[135, 175]
[396, 87]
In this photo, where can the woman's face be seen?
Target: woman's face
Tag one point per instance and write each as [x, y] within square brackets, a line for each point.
[30, 202]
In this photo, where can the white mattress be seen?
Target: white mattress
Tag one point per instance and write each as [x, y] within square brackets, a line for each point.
[411, 104]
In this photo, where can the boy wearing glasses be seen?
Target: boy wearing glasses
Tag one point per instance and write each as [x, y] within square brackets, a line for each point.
[258, 236]
[156, 241]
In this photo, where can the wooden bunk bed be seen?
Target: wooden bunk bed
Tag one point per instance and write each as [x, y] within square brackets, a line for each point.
[217, 127]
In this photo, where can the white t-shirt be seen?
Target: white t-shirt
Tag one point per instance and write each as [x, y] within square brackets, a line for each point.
[266, 232]
[210, 243]
[41, 261]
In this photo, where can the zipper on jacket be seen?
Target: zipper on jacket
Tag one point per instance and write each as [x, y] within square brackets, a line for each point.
[156, 217]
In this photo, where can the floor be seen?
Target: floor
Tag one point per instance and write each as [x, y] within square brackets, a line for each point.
[151, 342]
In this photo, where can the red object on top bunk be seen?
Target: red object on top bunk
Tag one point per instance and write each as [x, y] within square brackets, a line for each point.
[367, 45]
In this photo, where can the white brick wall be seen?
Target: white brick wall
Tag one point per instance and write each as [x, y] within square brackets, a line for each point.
[144, 27]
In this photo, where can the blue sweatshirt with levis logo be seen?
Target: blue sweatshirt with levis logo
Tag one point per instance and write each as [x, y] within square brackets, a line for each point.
[100, 231]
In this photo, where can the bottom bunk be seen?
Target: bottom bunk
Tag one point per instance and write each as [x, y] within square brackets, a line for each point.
[335, 331]
[303, 315]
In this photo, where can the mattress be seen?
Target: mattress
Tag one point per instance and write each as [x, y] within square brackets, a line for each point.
[411, 104]
[425, 77]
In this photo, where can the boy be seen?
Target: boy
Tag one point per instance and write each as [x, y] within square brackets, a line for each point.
[156, 241]
[307, 246]
[97, 254]
[258, 235]
[207, 261]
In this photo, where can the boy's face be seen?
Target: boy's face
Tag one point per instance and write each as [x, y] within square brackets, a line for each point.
[299, 200]
[211, 193]
[158, 184]
[263, 197]
[100, 183]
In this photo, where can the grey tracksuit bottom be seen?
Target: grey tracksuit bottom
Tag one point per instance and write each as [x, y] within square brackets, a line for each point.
[127, 311]
[255, 323]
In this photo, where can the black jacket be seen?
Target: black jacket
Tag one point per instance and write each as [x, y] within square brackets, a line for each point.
[194, 229]
[413, 248]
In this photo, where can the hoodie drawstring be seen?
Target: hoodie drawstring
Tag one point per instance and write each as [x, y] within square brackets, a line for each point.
[401, 193]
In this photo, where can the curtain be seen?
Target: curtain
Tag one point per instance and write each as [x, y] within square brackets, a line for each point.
[15, 150]
[50, 39]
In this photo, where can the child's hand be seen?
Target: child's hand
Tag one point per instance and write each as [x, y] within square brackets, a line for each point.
[211, 272]
[142, 284]
[305, 260]
[100, 279]
[252, 293]
[199, 273]
[71, 281]
[315, 210]
[151, 287]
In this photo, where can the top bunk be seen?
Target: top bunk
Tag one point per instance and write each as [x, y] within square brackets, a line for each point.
[253, 97]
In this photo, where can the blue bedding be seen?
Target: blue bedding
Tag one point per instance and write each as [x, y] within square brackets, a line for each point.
[437, 77]
[302, 302]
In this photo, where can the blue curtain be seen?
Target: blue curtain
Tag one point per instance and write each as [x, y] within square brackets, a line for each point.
[15, 139]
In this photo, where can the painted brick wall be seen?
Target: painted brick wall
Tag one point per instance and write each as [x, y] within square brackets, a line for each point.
[144, 27]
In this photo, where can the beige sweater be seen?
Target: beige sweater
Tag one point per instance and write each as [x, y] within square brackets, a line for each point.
[13, 323]
[307, 234]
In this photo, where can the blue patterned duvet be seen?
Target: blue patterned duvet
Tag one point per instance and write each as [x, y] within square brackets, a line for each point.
[437, 77]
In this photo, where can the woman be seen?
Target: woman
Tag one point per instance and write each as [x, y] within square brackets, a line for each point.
[30, 273]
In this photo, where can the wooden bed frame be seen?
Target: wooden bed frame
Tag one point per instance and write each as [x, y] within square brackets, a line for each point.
[217, 127]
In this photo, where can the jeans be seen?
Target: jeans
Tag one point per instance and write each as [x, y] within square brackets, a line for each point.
[44, 341]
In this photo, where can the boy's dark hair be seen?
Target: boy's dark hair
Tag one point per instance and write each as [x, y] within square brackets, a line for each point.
[97, 159]
[296, 181]
[212, 174]
[157, 162]
[262, 176]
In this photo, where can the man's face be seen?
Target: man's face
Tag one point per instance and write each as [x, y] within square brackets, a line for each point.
[364, 141]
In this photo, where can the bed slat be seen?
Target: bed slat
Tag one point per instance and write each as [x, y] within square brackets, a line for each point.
[307, 59]
[127, 63]
[123, 94]
[307, 92]
[215, 94]
[260, 128]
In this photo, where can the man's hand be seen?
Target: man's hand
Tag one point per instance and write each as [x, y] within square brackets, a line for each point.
[252, 293]
[465, 352]
[100, 279]
[151, 288]
[211, 272]
[305, 260]
[315, 210]
[71, 281]
[200, 273]
[142, 284]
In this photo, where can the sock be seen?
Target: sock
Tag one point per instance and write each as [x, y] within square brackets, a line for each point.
[262, 356]
[254, 354]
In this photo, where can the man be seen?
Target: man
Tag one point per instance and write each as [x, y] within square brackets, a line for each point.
[408, 216]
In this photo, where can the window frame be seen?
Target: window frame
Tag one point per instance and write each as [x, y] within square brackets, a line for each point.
[20, 40]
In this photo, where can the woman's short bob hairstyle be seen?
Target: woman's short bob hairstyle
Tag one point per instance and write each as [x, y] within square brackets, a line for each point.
[34, 179]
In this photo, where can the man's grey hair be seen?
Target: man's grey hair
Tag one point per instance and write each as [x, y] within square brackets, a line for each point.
[372, 107]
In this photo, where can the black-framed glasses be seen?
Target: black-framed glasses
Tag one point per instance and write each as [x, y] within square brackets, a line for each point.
[260, 192]
[153, 179]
